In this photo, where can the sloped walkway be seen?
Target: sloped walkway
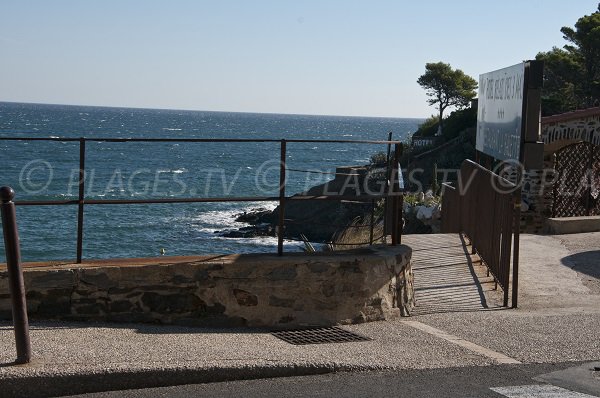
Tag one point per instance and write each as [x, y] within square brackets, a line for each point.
[446, 278]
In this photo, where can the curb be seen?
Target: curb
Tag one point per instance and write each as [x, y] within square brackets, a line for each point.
[52, 385]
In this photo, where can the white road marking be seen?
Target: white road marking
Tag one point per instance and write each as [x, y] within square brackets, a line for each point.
[486, 352]
[538, 391]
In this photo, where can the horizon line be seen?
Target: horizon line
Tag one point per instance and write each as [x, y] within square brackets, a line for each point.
[205, 110]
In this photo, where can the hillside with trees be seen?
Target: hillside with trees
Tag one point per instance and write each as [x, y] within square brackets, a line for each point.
[572, 73]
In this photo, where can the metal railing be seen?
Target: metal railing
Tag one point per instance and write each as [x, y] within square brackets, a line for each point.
[486, 208]
[15, 276]
[392, 194]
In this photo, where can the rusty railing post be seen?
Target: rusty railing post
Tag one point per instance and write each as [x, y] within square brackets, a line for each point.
[15, 276]
[397, 201]
[516, 237]
[372, 226]
[81, 200]
[282, 181]
[387, 180]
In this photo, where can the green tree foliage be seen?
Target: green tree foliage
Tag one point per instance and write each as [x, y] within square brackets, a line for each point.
[447, 87]
[572, 74]
[453, 124]
[562, 91]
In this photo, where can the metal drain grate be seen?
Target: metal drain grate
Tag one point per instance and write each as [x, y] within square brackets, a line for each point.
[318, 336]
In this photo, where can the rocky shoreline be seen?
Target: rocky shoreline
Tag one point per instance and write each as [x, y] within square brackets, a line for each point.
[322, 221]
[317, 220]
[260, 222]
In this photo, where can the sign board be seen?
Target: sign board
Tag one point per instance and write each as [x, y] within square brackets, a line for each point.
[500, 112]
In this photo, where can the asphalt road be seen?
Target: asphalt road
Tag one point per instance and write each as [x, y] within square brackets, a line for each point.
[572, 379]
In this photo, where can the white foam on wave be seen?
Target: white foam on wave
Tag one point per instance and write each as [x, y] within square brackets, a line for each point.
[218, 220]
[264, 241]
[171, 129]
[176, 171]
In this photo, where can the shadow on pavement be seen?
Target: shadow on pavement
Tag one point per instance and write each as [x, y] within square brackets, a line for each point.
[585, 262]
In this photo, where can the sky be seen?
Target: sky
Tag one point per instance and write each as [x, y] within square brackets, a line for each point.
[356, 58]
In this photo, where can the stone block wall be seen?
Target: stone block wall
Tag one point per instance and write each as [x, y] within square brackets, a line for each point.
[557, 131]
[536, 193]
[361, 285]
[563, 129]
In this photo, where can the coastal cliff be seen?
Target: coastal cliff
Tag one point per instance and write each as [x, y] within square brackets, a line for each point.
[317, 220]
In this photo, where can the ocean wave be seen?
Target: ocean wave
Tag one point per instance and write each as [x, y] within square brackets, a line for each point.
[176, 171]
[171, 129]
[217, 220]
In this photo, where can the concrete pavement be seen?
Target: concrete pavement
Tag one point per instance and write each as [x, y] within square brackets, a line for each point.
[558, 320]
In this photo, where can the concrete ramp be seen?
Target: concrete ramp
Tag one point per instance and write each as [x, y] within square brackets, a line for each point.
[445, 276]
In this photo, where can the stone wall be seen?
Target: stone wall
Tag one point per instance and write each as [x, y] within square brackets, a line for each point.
[567, 128]
[557, 131]
[536, 193]
[361, 285]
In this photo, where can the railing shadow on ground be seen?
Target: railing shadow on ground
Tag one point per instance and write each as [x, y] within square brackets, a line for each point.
[451, 279]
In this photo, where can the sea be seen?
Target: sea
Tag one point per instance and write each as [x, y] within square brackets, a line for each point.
[49, 170]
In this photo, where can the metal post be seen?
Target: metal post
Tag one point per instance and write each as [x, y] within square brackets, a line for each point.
[400, 222]
[396, 198]
[589, 180]
[517, 228]
[15, 276]
[282, 180]
[372, 222]
[387, 179]
[81, 200]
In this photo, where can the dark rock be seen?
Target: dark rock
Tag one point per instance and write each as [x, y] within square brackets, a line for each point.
[54, 279]
[118, 290]
[215, 309]
[286, 319]
[100, 280]
[244, 298]
[243, 272]
[165, 303]
[318, 268]
[317, 220]
[181, 280]
[281, 302]
[349, 267]
[120, 306]
[89, 309]
[55, 303]
[284, 273]
[256, 216]
[375, 302]
[324, 305]
[328, 289]
[250, 232]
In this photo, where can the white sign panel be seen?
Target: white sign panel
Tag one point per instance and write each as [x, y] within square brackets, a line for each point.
[500, 112]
